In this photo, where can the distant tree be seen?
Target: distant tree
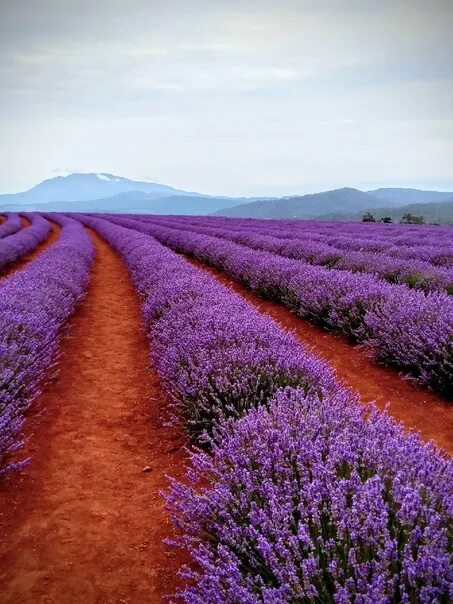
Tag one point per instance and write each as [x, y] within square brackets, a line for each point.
[412, 219]
[386, 219]
[368, 217]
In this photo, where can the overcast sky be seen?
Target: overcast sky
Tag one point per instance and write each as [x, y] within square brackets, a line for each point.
[226, 96]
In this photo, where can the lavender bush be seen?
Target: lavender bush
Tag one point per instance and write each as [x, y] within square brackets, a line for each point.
[308, 497]
[432, 244]
[35, 303]
[11, 225]
[217, 356]
[317, 500]
[15, 246]
[416, 274]
[358, 305]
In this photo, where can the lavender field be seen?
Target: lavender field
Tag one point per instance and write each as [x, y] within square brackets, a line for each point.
[287, 484]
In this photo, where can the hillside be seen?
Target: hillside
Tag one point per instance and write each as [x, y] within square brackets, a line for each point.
[409, 196]
[85, 187]
[101, 192]
[135, 202]
[440, 212]
[108, 193]
[305, 206]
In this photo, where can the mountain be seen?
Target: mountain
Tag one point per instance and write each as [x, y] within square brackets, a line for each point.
[84, 187]
[135, 202]
[439, 212]
[408, 196]
[101, 192]
[192, 204]
[306, 206]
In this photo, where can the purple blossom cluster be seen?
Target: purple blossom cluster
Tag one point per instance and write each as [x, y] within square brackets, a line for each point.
[22, 242]
[304, 496]
[35, 303]
[317, 500]
[391, 239]
[432, 244]
[408, 329]
[217, 356]
[414, 273]
[11, 225]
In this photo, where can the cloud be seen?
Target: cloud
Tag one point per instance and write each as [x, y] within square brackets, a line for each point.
[227, 96]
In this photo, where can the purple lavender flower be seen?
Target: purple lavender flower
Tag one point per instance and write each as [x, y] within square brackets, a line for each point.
[11, 225]
[317, 500]
[217, 355]
[23, 241]
[384, 316]
[35, 303]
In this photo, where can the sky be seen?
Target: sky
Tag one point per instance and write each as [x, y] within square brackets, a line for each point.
[228, 97]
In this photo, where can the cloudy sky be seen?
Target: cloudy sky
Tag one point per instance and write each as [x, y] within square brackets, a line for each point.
[229, 97]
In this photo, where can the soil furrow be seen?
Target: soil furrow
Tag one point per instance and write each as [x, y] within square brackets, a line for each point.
[83, 522]
[417, 407]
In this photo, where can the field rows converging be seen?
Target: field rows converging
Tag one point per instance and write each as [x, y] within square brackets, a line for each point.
[17, 245]
[186, 380]
[85, 523]
[403, 328]
[395, 266]
[9, 224]
[21, 262]
[372, 382]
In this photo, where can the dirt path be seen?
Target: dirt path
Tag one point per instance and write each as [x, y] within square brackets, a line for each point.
[84, 523]
[418, 408]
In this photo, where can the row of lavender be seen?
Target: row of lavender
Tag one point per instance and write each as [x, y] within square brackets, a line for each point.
[216, 355]
[435, 248]
[11, 225]
[413, 273]
[304, 496]
[355, 236]
[404, 328]
[34, 305]
[16, 245]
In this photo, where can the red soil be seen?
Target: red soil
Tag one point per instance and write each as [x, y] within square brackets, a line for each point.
[83, 522]
[417, 408]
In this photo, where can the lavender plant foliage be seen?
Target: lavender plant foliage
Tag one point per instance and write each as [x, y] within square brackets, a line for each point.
[11, 225]
[385, 317]
[426, 246]
[15, 246]
[433, 245]
[306, 498]
[217, 356]
[413, 273]
[35, 302]
[317, 500]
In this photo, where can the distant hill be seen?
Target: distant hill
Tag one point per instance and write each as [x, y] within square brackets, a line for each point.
[84, 187]
[408, 196]
[101, 192]
[440, 212]
[136, 202]
[306, 206]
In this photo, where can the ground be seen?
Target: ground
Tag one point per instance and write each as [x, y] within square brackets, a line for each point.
[83, 522]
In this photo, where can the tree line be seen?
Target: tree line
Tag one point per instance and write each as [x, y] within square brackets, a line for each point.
[405, 219]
